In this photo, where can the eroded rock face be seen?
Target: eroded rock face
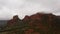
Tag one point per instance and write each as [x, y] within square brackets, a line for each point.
[42, 22]
[26, 18]
[13, 21]
[48, 23]
[37, 24]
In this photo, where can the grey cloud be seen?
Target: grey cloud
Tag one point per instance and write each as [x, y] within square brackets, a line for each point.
[53, 5]
[8, 8]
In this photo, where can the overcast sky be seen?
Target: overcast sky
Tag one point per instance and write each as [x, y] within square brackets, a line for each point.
[9, 8]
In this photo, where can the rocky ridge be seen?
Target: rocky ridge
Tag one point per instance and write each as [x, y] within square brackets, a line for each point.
[38, 23]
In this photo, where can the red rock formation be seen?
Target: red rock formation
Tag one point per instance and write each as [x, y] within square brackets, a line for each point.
[13, 21]
[38, 23]
[26, 18]
[41, 21]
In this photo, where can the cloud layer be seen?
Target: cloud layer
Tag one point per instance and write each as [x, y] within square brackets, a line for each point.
[8, 8]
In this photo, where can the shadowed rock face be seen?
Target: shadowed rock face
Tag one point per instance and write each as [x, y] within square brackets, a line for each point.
[13, 21]
[26, 18]
[42, 22]
[36, 24]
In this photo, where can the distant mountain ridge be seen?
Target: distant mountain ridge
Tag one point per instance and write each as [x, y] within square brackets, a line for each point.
[3, 23]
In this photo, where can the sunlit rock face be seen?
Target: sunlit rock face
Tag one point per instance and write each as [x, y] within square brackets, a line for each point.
[39, 23]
